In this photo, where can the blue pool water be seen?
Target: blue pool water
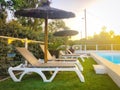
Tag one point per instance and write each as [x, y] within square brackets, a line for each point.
[112, 57]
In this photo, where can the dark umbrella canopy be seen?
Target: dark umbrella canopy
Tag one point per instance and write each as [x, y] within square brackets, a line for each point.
[65, 33]
[46, 12]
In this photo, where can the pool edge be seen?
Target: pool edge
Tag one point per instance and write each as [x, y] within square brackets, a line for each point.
[112, 70]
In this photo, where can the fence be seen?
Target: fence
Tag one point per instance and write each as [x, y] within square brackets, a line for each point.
[97, 47]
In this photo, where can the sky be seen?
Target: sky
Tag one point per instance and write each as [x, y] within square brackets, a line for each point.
[99, 13]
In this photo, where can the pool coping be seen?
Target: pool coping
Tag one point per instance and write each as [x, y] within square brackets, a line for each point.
[113, 70]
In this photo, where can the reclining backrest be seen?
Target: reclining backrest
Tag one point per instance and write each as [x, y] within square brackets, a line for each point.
[69, 52]
[28, 56]
[61, 52]
[49, 56]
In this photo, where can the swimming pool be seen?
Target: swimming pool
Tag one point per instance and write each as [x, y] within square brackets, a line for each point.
[111, 61]
[112, 57]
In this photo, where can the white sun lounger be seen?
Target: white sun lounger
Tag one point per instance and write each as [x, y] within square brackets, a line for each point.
[72, 56]
[82, 55]
[38, 67]
[53, 59]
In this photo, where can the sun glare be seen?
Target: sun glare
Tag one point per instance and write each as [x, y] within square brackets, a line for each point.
[93, 24]
[96, 18]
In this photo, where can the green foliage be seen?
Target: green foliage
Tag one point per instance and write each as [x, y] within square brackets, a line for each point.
[13, 29]
[24, 28]
[56, 25]
[55, 42]
[19, 4]
[102, 38]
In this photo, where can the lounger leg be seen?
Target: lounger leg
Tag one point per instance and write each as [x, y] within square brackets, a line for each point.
[81, 77]
[12, 75]
[53, 76]
[82, 58]
[40, 72]
[79, 65]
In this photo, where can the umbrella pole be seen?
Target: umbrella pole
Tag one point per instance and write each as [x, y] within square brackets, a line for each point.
[46, 40]
[66, 45]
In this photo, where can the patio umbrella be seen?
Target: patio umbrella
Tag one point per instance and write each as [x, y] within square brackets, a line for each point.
[45, 12]
[65, 33]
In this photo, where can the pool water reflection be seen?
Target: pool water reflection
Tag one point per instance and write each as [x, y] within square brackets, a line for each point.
[112, 57]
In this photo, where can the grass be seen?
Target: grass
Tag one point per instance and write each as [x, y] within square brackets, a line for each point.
[64, 81]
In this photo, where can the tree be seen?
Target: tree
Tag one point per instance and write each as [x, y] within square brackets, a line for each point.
[111, 33]
[56, 25]
[25, 27]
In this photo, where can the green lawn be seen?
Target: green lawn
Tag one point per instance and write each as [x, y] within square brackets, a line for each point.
[64, 81]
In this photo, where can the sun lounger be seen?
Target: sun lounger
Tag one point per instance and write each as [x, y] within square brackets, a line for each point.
[82, 55]
[39, 68]
[71, 55]
[53, 59]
